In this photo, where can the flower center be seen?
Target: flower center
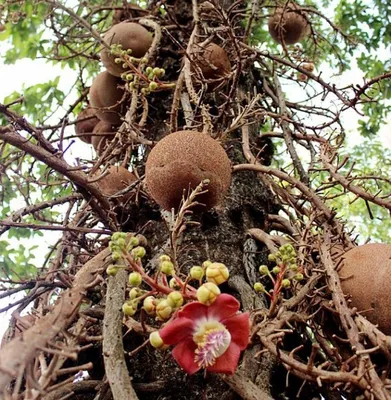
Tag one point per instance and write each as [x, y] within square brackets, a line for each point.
[212, 339]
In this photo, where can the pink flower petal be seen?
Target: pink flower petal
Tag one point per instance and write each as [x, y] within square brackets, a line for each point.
[224, 307]
[177, 330]
[184, 355]
[193, 310]
[227, 363]
[239, 328]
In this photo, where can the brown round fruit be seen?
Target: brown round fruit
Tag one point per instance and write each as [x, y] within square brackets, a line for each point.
[131, 36]
[106, 97]
[100, 142]
[366, 276]
[116, 180]
[213, 61]
[84, 125]
[182, 160]
[288, 24]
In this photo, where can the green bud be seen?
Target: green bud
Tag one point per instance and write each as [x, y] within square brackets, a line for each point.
[133, 241]
[129, 308]
[206, 264]
[298, 277]
[175, 299]
[149, 305]
[153, 86]
[293, 267]
[116, 256]
[173, 284]
[276, 270]
[263, 270]
[129, 51]
[129, 77]
[167, 267]
[161, 73]
[112, 270]
[156, 71]
[149, 70]
[118, 60]
[135, 292]
[258, 287]
[135, 279]
[164, 257]
[118, 235]
[144, 60]
[271, 257]
[286, 283]
[196, 272]
[138, 252]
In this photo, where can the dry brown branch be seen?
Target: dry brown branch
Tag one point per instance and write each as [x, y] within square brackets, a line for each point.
[21, 351]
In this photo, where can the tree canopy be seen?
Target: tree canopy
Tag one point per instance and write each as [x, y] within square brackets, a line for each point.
[213, 158]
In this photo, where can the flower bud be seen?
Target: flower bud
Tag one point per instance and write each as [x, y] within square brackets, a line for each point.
[293, 267]
[156, 71]
[118, 235]
[286, 283]
[135, 279]
[129, 308]
[133, 241]
[118, 60]
[207, 293]
[217, 273]
[271, 257]
[167, 267]
[163, 310]
[144, 60]
[112, 270]
[148, 70]
[116, 256]
[206, 264]
[156, 341]
[153, 86]
[298, 277]
[175, 299]
[173, 284]
[276, 270]
[196, 272]
[135, 292]
[263, 270]
[164, 257]
[258, 287]
[149, 305]
[138, 252]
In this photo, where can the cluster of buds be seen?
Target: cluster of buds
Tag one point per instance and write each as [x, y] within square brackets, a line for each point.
[120, 244]
[148, 77]
[282, 274]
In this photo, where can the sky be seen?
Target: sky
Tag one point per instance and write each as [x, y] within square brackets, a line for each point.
[30, 72]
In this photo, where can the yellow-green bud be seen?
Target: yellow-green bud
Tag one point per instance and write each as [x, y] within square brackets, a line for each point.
[156, 341]
[174, 284]
[144, 60]
[163, 310]
[124, 65]
[156, 71]
[118, 235]
[135, 292]
[145, 91]
[116, 256]
[196, 272]
[217, 273]
[164, 257]
[161, 73]
[149, 305]
[138, 252]
[207, 293]
[276, 270]
[167, 267]
[175, 299]
[129, 77]
[258, 287]
[263, 270]
[206, 264]
[112, 270]
[298, 277]
[129, 308]
[135, 279]
[118, 60]
[286, 283]
[271, 257]
[153, 86]
[129, 51]
[148, 70]
[133, 241]
[293, 267]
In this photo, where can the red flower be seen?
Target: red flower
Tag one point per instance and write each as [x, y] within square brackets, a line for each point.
[208, 337]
